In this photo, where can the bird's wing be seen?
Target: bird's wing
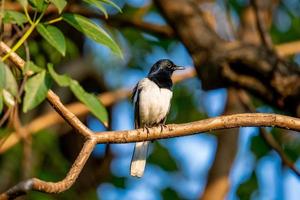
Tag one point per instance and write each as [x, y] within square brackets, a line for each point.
[135, 99]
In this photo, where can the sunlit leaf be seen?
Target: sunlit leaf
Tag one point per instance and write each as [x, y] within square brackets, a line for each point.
[91, 30]
[112, 4]
[60, 4]
[36, 89]
[98, 5]
[8, 98]
[61, 80]
[14, 17]
[7, 79]
[91, 101]
[53, 36]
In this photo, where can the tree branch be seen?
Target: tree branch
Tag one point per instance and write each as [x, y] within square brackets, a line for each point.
[269, 139]
[52, 97]
[172, 130]
[120, 21]
[109, 98]
[265, 37]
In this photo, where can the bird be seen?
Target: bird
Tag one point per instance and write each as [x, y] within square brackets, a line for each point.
[151, 100]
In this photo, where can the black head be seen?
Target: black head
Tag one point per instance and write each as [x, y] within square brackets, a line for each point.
[164, 66]
[162, 71]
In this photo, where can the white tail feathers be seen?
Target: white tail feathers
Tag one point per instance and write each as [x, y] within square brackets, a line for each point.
[138, 162]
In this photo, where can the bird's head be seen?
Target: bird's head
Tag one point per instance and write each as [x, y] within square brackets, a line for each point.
[164, 67]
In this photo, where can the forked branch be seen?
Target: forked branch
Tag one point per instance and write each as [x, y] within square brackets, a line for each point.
[172, 130]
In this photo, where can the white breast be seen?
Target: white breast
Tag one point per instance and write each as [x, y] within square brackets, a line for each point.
[154, 102]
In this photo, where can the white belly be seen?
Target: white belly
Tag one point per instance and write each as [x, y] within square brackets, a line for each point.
[154, 103]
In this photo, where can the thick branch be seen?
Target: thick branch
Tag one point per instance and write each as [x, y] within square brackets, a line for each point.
[52, 187]
[281, 79]
[172, 130]
[206, 125]
[223, 122]
[51, 96]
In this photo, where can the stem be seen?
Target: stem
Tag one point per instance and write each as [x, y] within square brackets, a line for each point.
[23, 38]
[54, 20]
[27, 16]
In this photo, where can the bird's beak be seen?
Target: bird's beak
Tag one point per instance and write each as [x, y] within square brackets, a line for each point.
[178, 68]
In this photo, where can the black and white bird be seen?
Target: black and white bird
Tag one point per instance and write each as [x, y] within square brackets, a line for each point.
[152, 99]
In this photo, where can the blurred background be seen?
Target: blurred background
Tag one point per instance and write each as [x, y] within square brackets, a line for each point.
[238, 164]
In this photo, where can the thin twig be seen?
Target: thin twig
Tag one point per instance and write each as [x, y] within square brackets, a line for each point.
[269, 139]
[172, 130]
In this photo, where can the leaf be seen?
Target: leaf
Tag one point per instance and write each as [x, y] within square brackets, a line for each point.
[91, 101]
[112, 4]
[30, 69]
[8, 98]
[161, 157]
[60, 4]
[24, 3]
[169, 193]
[91, 30]
[53, 36]
[14, 17]
[61, 80]
[259, 147]
[247, 188]
[40, 5]
[7, 80]
[36, 89]
[98, 5]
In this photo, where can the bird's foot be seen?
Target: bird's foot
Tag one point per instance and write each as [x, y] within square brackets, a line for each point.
[147, 130]
[162, 126]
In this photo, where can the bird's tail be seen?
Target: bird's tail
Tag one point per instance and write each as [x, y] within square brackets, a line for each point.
[138, 161]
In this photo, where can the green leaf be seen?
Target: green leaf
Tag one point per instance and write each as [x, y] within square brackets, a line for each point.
[161, 157]
[60, 4]
[247, 188]
[61, 80]
[7, 80]
[259, 147]
[14, 17]
[91, 101]
[169, 193]
[98, 5]
[36, 89]
[30, 68]
[40, 5]
[8, 98]
[53, 36]
[24, 3]
[112, 4]
[91, 30]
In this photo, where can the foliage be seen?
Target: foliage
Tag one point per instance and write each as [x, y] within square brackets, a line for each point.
[37, 86]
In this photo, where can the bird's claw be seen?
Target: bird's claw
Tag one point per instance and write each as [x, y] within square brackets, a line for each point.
[162, 126]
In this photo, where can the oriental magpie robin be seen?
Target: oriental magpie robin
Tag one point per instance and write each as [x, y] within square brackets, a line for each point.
[151, 98]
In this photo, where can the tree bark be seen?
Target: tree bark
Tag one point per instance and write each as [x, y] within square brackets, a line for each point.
[218, 182]
[240, 64]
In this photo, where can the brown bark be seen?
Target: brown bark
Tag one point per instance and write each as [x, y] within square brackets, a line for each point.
[220, 63]
[218, 182]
